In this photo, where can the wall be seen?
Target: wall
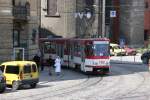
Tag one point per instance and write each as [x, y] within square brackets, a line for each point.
[132, 21]
[63, 25]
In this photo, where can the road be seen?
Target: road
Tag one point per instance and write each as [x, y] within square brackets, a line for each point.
[125, 82]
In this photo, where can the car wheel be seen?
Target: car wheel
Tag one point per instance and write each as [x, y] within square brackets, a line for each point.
[3, 89]
[15, 85]
[33, 85]
[145, 60]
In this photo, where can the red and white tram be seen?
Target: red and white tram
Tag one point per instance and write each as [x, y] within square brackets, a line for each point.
[87, 55]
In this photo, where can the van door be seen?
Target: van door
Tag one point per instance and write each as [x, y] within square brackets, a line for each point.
[34, 71]
[27, 72]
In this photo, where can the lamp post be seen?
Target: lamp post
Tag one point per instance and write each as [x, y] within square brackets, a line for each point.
[100, 8]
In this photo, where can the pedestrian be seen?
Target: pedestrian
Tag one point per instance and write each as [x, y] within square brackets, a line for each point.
[42, 64]
[57, 65]
[51, 64]
[36, 59]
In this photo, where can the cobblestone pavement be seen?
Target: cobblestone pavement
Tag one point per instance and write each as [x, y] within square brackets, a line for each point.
[125, 82]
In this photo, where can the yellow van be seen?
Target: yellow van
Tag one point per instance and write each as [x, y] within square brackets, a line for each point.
[19, 73]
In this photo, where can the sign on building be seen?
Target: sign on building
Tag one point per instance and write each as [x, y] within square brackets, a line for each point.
[113, 13]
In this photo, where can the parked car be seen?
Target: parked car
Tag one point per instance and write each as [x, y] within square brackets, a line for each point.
[19, 73]
[130, 51]
[115, 50]
[145, 57]
[2, 82]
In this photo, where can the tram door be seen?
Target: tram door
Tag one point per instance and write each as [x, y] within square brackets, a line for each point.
[18, 54]
[60, 50]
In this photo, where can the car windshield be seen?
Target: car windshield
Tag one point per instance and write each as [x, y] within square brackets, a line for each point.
[116, 47]
[12, 69]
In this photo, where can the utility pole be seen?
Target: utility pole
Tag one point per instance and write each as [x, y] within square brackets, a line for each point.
[103, 17]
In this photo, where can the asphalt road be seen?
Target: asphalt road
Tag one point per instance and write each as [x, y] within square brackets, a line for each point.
[125, 82]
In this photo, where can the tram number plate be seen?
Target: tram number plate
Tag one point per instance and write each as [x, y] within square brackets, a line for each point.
[89, 69]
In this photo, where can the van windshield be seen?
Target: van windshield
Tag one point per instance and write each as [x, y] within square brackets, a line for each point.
[12, 69]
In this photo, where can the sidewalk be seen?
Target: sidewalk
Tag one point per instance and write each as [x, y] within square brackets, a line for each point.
[126, 59]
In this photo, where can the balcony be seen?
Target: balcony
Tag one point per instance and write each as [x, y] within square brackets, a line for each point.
[21, 13]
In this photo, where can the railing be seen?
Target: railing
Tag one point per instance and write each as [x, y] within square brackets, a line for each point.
[21, 12]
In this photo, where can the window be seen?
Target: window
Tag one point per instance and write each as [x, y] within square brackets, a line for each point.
[101, 49]
[13, 2]
[145, 35]
[27, 68]
[33, 68]
[146, 5]
[89, 50]
[12, 69]
[16, 38]
[52, 10]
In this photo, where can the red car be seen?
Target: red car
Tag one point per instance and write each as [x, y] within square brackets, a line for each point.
[130, 51]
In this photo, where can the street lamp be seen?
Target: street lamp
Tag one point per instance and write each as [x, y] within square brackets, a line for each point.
[101, 17]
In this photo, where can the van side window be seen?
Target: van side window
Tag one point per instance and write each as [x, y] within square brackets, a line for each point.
[27, 69]
[2, 68]
[34, 68]
[12, 69]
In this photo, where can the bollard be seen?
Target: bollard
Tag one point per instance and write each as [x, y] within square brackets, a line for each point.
[149, 64]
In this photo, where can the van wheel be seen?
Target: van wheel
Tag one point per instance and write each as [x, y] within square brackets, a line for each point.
[33, 85]
[3, 89]
[15, 85]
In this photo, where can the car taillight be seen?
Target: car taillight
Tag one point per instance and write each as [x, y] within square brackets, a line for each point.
[4, 78]
[21, 75]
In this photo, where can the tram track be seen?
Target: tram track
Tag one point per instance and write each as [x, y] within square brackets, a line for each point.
[133, 90]
[116, 85]
[113, 87]
[129, 92]
[74, 89]
[62, 91]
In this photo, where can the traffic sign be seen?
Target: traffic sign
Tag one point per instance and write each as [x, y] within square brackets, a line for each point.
[122, 43]
[112, 13]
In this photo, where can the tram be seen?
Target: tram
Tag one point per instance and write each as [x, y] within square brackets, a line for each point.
[88, 55]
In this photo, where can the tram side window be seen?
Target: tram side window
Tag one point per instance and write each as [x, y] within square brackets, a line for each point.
[77, 49]
[89, 50]
[49, 48]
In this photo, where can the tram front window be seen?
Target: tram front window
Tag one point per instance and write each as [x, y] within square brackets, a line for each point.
[101, 49]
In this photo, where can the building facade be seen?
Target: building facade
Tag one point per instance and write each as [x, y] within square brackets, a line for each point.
[132, 22]
[72, 18]
[19, 24]
[58, 18]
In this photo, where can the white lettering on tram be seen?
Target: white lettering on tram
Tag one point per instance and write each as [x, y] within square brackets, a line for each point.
[97, 62]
